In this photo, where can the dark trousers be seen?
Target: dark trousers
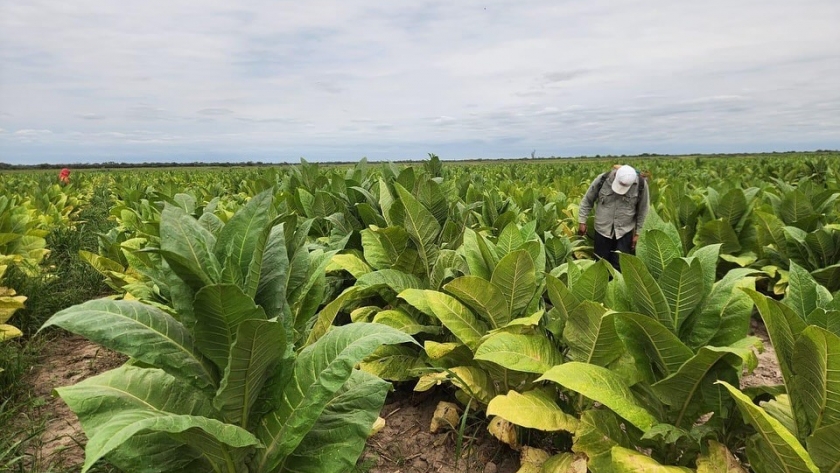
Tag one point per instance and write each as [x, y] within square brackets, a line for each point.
[606, 247]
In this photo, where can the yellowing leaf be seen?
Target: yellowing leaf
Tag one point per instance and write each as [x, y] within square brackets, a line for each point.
[445, 417]
[534, 409]
[8, 332]
[719, 460]
[531, 460]
[504, 431]
[630, 461]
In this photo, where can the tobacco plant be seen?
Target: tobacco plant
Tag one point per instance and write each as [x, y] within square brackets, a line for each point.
[797, 426]
[220, 378]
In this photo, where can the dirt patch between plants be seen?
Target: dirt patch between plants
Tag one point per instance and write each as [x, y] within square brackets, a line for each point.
[405, 444]
[65, 361]
[768, 372]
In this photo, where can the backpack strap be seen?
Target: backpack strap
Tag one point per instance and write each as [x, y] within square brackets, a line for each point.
[602, 180]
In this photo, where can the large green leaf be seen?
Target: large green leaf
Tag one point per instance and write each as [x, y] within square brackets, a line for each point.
[655, 222]
[509, 240]
[591, 336]
[691, 391]
[796, 248]
[421, 226]
[142, 332]
[827, 319]
[387, 247]
[724, 316]
[473, 254]
[657, 351]
[95, 399]
[816, 383]
[618, 297]
[254, 274]
[822, 246]
[824, 448]
[307, 297]
[271, 290]
[482, 296]
[351, 263]
[658, 251]
[773, 448]
[779, 409]
[601, 385]
[258, 347]
[735, 314]
[592, 283]
[219, 310]
[516, 277]
[325, 317]
[188, 248]
[796, 208]
[770, 231]
[536, 249]
[320, 370]
[645, 293]
[828, 277]
[564, 303]
[394, 363]
[449, 265]
[215, 439]
[528, 353]
[732, 207]
[452, 314]
[338, 437]
[598, 432]
[535, 409]
[404, 322]
[388, 204]
[718, 231]
[239, 237]
[396, 281]
[625, 460]
[708, 257]
[803, 294]
[682, 285]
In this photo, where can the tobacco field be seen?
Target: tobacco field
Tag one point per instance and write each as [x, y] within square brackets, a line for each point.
[259, 318]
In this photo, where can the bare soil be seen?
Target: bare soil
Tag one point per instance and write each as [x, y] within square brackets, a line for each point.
[66, 361]
[405, 444]
[768, 372]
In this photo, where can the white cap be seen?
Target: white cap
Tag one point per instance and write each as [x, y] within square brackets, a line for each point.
[625, 177]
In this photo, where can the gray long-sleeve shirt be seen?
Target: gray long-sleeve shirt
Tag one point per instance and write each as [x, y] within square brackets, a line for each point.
[615, 214]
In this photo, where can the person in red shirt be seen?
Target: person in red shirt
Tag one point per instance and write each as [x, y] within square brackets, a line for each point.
[64, 176]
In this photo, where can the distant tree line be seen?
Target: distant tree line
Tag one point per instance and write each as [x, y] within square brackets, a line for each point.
[432, 157]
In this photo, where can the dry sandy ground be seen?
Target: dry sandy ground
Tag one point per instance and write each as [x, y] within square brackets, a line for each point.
[66, 361]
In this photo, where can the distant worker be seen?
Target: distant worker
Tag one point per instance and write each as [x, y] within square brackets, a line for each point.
[64, 176]
[622, 200]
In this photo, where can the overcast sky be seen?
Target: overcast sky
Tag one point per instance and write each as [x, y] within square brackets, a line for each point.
[268, 80]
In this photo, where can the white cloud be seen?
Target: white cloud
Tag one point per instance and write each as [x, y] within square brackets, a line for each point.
[340, 80]
[30, 132]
